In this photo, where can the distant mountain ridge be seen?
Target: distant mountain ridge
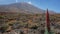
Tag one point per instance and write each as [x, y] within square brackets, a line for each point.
[22, 8]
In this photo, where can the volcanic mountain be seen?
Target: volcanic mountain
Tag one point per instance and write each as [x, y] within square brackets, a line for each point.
[21, 8]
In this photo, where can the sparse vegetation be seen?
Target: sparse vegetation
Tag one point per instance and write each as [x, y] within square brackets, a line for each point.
[29, 21]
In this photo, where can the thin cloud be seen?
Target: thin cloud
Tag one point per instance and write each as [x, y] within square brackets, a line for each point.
[29, 2]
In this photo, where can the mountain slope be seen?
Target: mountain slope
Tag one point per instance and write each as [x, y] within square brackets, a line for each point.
[21, 8]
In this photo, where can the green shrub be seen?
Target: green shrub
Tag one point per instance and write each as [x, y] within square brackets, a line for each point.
[4, 28]
[1, 17]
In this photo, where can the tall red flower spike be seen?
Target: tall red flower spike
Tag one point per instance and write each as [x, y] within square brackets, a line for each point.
[47, 21]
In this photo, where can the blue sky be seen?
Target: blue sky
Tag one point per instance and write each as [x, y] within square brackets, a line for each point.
[43, 4]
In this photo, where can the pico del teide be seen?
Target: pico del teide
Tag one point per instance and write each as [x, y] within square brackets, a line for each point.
[47, 26]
